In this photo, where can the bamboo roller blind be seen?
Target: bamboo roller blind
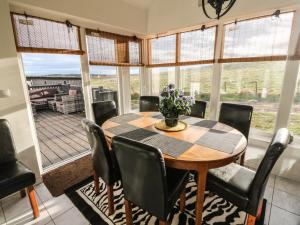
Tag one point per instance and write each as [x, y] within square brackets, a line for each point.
[112, 49]
[187, 48]
[38, 35]
[259, 39]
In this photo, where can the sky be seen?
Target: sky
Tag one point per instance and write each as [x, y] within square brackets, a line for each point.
[46, 64]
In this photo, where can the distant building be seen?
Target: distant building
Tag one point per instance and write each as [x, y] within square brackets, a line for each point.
[72, 79]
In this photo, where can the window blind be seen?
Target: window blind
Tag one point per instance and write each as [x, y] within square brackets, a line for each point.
[112, 49]
[163, 50]
[198, 46]
[38, 35]
[259, 39]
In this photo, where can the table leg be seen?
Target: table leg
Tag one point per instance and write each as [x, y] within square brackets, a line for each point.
[201, 184]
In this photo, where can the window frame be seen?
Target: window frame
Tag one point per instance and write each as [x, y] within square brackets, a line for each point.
[255, 58]
[178, 48]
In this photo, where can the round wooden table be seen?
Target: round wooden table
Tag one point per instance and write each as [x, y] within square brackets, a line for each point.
[197, 156]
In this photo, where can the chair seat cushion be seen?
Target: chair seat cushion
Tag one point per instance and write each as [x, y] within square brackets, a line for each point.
[232, 181]
[14, 176]
[176, 181]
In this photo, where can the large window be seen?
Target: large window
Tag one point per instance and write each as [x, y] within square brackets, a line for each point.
[196, 81]
[257, 84]
[104, 83]
[161, 77]
[135, 87]
[198, 45]
[163, 50]
[264, 38]
[294, 123]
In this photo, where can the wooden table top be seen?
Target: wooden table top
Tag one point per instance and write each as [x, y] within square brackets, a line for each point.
[197, 153]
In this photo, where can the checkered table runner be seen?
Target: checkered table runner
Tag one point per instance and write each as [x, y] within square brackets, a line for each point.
[211, 134]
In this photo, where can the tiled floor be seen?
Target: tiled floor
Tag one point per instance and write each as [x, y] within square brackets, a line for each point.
[283, 206]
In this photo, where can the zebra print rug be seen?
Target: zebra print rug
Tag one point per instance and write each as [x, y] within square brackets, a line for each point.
[94, 207]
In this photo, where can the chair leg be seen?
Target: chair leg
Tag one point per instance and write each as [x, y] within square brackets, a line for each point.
[162, 222]
[96, 182]
[110, 193]
[251, 220]
[182, 201]
[23, 193]
[242, 159]
[128, 211]
[33, 202]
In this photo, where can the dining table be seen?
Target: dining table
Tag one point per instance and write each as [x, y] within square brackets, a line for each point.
[204, 144]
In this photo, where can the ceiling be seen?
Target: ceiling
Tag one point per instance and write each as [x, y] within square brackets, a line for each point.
[144, 4]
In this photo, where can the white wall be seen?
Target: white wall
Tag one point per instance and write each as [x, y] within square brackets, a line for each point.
[108, 15]
[14, 108]
[168, 15]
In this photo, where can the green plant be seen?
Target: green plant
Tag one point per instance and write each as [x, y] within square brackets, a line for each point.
[173, 103]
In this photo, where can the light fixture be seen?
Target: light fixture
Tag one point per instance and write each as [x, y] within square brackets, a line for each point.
[5, 93]
[221, 7]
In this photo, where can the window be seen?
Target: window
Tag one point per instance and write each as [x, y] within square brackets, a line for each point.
[161, 77]
[196, 81]
[198, 45]
[33, 34]
[135, 87]
[257, 84]
[260, 39]
[112, 49]
[101, 49]
[294, 123]
[163, 50]
[104, 83]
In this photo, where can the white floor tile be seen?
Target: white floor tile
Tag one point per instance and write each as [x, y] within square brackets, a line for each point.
[17, 210]
[43, 192]
[2, 217]
[287, 185]
[71, 217]
[58, 205]
[287, 201]
[282, 217]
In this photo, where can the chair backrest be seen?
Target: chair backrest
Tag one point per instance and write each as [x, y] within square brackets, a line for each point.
[198, 109]
[279, 143]
[149, 104]
[7, 145]
[102, 161]
[143, 175]
[104, 110]
[237, 116]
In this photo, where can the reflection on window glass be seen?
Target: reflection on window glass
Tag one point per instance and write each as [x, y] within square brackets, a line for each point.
[161, 77]
[196, 81]
[104, 83]
[294, 123]
[135, 87]
[257, 84]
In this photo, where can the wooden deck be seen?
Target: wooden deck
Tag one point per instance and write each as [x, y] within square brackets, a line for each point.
[60, 136]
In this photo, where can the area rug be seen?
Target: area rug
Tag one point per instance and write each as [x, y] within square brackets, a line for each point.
[217, 211]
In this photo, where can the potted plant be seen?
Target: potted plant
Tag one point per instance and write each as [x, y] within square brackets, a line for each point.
[173, 104]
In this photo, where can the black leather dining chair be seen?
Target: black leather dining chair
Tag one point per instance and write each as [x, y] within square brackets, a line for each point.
[244, 187]
[104, 160]
[198, 109]
[238, 117]
[14, 176]
[146, 181]
[149, 104]
[104, 110]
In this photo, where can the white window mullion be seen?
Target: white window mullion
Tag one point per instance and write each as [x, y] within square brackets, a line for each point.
[86, 80]
[290, 77]
[216, 79]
